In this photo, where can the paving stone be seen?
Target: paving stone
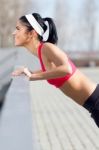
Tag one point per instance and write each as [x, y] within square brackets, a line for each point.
[61, 124]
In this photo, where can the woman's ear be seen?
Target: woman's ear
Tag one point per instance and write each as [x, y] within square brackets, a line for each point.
[33, 33]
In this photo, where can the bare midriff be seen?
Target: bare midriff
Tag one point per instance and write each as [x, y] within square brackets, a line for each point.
[78, 87]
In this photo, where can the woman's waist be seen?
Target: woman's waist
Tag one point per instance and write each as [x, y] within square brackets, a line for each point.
[78, 87]
[78, 95]
[92, 99]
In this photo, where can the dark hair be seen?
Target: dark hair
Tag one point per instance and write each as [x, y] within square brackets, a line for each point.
[53, 38]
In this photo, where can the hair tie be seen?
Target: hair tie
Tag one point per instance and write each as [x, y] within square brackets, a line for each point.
[46, 33]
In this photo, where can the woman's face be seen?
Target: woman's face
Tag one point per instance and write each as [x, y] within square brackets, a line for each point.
[21, 35]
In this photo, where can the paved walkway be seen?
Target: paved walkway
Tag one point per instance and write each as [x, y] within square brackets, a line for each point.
[60, 123]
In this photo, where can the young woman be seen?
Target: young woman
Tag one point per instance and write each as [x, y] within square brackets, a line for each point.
[56, 67]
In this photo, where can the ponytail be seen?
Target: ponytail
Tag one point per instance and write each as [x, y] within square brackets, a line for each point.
[52, 38]
[52, 33]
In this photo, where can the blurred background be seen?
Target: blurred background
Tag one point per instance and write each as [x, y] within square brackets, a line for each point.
[77, 23]
[27, 118]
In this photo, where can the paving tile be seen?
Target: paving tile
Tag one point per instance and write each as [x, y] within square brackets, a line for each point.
[60, 123]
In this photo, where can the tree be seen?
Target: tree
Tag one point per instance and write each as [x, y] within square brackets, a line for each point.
[10, 11]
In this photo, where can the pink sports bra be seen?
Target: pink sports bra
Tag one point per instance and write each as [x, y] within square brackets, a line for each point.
[57, 81]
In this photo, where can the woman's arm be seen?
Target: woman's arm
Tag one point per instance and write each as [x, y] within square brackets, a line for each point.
[59, 58]
[55, 55]
[37, 71]
[39, 74]
[59, 71]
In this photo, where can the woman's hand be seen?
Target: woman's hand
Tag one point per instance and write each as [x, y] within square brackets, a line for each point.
[20, 71]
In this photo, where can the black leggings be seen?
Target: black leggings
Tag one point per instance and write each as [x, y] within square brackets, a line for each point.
[92, 105]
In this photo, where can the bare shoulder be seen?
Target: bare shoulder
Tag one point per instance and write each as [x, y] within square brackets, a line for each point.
[54, 54]
[49, 46]
[49, 49]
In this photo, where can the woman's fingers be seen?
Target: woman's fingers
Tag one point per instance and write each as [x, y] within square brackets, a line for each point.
[22, 71]
[18, 72]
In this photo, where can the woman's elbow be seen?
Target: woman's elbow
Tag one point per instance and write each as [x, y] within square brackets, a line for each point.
[70, 70]
[67, 70]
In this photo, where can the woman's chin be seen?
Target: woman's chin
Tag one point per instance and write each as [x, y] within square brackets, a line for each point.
[17, 44]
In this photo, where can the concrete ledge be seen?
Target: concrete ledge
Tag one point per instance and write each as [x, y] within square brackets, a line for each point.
[16, 118]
